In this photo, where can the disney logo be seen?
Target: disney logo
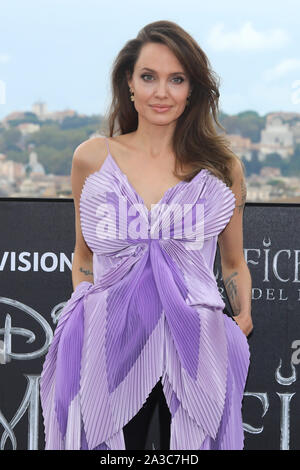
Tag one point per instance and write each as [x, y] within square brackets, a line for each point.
[6, 353]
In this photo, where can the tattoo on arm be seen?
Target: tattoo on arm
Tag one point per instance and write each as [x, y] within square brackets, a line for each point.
[232, 291]
[85, 271]
[244, 195]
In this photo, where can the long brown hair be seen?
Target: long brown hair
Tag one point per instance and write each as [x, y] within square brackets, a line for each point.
[195, 141]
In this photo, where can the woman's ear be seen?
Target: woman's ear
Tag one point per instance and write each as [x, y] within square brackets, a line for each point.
[128, 79]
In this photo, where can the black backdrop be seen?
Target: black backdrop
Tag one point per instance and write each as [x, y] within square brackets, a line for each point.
[37, 241]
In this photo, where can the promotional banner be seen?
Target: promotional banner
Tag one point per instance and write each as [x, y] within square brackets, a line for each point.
[37, 244]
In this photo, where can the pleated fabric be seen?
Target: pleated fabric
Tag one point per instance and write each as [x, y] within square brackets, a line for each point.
[139, 431]
[153, 312]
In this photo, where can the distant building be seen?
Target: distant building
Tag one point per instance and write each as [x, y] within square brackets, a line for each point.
[12, 117]
[34, 166]
[296, 132]
[40, 109]
[10, 170]
[61, 115]
[241, 146]
[269, 172]
[28, 128]
[277, 137]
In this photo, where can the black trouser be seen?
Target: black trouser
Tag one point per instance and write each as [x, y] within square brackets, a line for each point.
[137, 429]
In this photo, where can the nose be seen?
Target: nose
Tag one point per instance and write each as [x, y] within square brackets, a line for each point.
[161, 89]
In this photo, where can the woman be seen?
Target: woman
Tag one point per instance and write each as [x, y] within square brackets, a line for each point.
[145, 323]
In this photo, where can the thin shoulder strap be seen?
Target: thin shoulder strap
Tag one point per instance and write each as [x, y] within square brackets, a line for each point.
[106, 140]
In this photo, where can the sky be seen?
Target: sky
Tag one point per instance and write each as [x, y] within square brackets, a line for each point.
[61, 51]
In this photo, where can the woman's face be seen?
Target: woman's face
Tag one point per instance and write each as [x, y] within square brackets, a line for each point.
[159, 79]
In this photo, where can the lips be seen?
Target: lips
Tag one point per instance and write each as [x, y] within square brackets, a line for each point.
[160, 108]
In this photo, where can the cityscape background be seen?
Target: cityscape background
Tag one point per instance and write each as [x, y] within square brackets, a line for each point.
[55, 64]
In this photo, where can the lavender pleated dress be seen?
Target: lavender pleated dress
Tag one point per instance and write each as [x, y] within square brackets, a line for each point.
[153, 312]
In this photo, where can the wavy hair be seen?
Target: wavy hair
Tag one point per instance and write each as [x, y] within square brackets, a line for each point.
[195, 141]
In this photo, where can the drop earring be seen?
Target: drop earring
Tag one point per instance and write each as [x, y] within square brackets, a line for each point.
[132, 95]
[188, 101]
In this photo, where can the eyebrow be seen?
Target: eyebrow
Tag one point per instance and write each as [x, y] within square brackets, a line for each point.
[173, 73]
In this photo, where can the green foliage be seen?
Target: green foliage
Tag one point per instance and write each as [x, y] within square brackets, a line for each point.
[276, 182]
[54, 143]
[274, 160]
[246, 124]
[28, 117]
[294, 164]
[254, 166]
[9, 139]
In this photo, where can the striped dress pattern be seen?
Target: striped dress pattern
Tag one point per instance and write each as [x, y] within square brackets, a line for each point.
[154, 311]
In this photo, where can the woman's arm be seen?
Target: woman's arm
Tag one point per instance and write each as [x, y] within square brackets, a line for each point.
[82, 266]
[235, 273]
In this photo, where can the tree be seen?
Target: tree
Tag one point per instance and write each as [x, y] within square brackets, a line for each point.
[247, 124]
[254, 166]
[294, 164]
[274, 160]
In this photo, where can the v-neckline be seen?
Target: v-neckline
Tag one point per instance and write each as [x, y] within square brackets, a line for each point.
[157, 204]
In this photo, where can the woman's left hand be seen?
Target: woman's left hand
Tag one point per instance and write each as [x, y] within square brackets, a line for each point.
[244, 322]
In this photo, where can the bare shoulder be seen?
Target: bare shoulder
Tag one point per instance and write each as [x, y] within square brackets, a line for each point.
[237, 170]
[90, 155]
[88, 158]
